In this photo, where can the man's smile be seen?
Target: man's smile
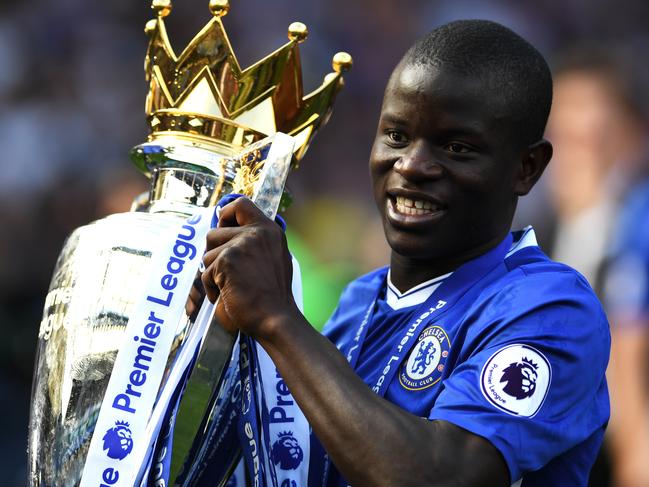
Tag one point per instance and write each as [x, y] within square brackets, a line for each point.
[412, 209]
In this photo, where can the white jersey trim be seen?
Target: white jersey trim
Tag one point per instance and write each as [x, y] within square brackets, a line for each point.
[413, 296]
[421, 292]
[527, 239]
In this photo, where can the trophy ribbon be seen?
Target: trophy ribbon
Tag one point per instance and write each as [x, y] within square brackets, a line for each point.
[167, 404]
[133, 387]
[274, 433]
[288, 429]
[141, 360]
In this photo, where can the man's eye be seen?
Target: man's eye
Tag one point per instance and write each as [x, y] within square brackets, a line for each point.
[396, 137]
[457, 148]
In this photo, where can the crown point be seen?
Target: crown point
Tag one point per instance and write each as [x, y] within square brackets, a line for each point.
[161, 7]
[219, 8]
[342, 62]
[150, 26]
[298, 32]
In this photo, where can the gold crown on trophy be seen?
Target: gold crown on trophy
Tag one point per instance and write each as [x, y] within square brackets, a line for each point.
[203, 96]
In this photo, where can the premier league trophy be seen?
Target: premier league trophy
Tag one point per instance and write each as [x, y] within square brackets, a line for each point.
[215, 129]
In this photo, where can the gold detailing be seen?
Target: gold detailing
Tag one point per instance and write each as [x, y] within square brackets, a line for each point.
[298, 32]
[162, 7]
[248, 173]
[342, 62]
[150, 26]
[204, 98]
[219, 8]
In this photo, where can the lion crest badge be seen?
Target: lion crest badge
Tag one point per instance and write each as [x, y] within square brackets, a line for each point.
[516, 379]
[118, 441]
[287, 452]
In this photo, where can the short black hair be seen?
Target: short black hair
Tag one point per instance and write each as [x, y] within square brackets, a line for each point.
[511, 69]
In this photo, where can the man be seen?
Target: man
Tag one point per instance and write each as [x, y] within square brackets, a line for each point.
[473, 359]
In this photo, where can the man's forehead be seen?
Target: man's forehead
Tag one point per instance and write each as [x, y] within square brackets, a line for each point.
[446, 88]
[412, 76]
[446, 100]
[441, 79]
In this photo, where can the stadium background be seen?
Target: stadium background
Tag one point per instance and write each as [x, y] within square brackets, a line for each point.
[71, 106]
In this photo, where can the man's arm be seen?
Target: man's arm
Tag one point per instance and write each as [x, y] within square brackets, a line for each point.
[371, 441]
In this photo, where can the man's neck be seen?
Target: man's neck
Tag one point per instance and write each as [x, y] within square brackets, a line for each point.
[407, 272]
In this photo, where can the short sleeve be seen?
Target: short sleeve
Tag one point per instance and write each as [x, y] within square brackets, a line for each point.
[531, 376]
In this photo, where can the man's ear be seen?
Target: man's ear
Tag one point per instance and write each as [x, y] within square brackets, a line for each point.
[532, 165]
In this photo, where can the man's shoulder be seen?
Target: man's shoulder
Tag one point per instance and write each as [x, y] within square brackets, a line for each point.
[530, 268]
[536, 286]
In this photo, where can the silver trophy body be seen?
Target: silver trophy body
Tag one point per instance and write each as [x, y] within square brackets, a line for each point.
[99, 271]
[86, 312]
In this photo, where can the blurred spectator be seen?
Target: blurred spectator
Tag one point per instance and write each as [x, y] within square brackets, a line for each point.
[599, 132]
[627, 300]
[599, 137]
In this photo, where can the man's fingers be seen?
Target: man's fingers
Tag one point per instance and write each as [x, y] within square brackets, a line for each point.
[209, 278]
[212, 276]
[223, 319]
[240, 212]
[195, 298]
[219, 236]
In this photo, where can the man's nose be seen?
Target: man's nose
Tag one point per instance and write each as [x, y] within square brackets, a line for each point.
[418, 163]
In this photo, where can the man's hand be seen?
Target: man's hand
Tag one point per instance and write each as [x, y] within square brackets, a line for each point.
[248, 265]
[195, 298]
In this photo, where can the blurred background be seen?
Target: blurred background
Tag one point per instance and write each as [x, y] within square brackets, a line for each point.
[72, 105]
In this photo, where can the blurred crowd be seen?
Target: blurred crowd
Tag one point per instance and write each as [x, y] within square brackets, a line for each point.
[72, 105]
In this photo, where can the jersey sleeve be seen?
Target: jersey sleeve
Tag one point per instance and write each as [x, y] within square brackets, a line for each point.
[530, 378]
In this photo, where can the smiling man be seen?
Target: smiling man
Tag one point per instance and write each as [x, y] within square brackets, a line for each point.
[472, 359]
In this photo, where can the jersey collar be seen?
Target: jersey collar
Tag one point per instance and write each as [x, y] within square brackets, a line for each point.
[413, 296]
[421, 292]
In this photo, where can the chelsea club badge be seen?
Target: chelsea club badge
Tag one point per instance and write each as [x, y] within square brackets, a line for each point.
[426, 361]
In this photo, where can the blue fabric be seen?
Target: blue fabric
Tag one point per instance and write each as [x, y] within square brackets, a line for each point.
[545, 307]
[627, 277]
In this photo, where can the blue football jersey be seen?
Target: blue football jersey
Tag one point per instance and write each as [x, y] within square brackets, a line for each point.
[517, 356]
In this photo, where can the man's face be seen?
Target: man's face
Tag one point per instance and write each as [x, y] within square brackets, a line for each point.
[443, 166]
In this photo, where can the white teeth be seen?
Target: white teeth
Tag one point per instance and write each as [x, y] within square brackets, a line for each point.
[414, 207]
